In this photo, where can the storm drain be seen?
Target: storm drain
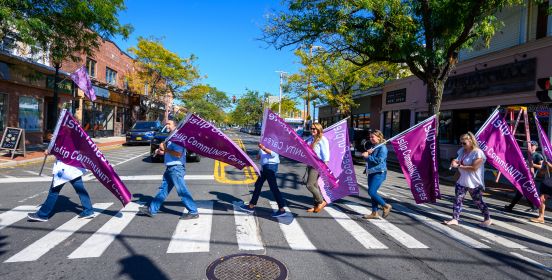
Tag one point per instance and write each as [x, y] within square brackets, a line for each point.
[246, 266]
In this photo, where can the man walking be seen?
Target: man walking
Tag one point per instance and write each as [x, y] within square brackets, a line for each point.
[175, 160]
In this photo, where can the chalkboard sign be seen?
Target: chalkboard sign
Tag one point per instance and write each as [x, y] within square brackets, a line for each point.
[13, 139]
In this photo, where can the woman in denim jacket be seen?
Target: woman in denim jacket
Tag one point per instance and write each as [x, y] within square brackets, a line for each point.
[376, 167]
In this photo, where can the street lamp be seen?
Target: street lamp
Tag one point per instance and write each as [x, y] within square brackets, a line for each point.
[307, 101]
[282, 75]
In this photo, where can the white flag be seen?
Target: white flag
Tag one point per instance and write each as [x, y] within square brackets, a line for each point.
[64, 173]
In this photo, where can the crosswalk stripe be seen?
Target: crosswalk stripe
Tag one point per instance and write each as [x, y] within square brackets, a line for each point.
[94, 246]
[247, 232]
[389, 228]
[40, 247]
[531, 261]
[16, 214]
[479, 231]
[193, 235]
[294, 234]
[357, 231]
[462, 238]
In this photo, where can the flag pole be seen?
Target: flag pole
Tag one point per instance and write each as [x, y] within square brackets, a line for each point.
[542, 147]
[404, 132]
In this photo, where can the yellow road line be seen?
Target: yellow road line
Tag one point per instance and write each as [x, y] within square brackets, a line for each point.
[220, 172]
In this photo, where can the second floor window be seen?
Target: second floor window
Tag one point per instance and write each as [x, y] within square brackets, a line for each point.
[110, 76]
[91, 67]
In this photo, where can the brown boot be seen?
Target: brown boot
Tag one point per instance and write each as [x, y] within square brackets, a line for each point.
[310, 210]
[320, 206]
[374, 215]
[386, 210]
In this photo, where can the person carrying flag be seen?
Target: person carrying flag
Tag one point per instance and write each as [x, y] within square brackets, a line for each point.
[376, 167]
[319, 143]
[175, 160]
[63, 173]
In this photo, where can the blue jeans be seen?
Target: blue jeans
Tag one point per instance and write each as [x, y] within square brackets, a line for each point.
[268, 174]
[78, 185]
[173, 176]
[374, 183]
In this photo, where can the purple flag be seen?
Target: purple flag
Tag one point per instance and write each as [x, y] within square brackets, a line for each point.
[544, 141]
[201, 137]
[503, 152]
[278, 136]
[72, 146]
[341, 164]
[415, 151]
[81, 78]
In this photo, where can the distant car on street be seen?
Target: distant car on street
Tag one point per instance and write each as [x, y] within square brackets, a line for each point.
[159, 137]
[142, 132]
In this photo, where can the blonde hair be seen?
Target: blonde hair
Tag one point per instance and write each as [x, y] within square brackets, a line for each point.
[316, 138]
[378, 134]
[472, 139]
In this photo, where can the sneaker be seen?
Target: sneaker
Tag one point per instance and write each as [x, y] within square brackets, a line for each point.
[247, 209]
[531, 210]
[189, 216]
[508, 208]
[486, 223]
[86, 216]
[145, 211]
[34, 217]
[279, 213]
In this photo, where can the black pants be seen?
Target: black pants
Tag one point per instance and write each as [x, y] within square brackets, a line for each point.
[268, 174]
[517, 198]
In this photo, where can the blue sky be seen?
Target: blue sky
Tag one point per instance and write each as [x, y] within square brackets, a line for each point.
[222, 34]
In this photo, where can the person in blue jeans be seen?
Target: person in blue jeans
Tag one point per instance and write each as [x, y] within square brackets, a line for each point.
[376, 168]
[175, 160]
[269, 164]
[72, 175]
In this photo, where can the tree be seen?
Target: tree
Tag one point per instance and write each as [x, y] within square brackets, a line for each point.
[66, 28]
[425, 35]
[289, 106]
[161, 71]
[333, 79]
[249, 108]
[207, 102]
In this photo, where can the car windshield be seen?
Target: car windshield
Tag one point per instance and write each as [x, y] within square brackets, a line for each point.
[145, 125]
[165, 129]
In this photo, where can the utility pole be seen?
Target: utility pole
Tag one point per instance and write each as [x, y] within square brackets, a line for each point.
[282, 75]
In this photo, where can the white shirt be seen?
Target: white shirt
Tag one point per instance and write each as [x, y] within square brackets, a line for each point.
[321, 149]
[471, 179]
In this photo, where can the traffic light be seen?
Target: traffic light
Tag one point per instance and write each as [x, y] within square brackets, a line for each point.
[545, 94]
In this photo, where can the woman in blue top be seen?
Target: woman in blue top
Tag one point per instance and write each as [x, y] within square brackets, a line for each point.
[376, 168]
[269, 164]
[321, 148]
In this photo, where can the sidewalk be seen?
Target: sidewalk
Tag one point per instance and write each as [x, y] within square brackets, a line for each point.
[36, 153]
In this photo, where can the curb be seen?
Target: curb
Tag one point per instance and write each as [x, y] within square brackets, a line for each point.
[14, 163]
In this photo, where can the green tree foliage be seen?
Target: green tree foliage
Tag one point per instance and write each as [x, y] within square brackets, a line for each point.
[333, 80]
[160, 70]
[249, 108]
[425, 35]
[66, 28]
[207, 102]
[289, 106]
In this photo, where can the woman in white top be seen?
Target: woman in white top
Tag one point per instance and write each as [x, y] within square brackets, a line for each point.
[470, 163]
[321, 147]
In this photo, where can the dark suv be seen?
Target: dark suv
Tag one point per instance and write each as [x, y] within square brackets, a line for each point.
[142, 132]
[160, 136]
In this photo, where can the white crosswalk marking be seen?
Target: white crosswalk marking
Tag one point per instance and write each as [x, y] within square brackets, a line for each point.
[16, 214]
[42, 246]
[358, 232]
[462, 238]
[94, 246]
[531, 261]
[247, 232]
[484, 233]
[294, 234]
[392, 230]
[193, 235]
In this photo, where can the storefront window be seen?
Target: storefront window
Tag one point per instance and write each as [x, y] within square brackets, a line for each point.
[420, 116]
[29, 113]
[446, 128]
[99, 118]
[3, 111]
[395, 122]
[361, 121]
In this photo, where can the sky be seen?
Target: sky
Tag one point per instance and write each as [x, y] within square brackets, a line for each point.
[223, 34]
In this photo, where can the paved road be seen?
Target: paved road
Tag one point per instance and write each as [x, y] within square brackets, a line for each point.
[334, 244]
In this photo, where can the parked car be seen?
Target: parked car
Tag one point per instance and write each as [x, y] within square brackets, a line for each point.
[159, 137]
[142, 132]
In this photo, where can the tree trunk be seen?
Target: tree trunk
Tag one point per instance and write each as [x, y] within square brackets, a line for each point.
[435, 93]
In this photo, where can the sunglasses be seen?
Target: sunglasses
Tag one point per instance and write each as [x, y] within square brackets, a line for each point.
[464, 143]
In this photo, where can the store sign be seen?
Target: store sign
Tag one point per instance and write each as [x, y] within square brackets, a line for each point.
[396, 96]
[101, 92]
[508, 78]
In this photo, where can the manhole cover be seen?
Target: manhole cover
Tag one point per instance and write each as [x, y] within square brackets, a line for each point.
[246, 266]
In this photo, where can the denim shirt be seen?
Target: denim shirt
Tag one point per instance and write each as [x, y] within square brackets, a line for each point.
[171, 160]
[377, 161]
[272, 158]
